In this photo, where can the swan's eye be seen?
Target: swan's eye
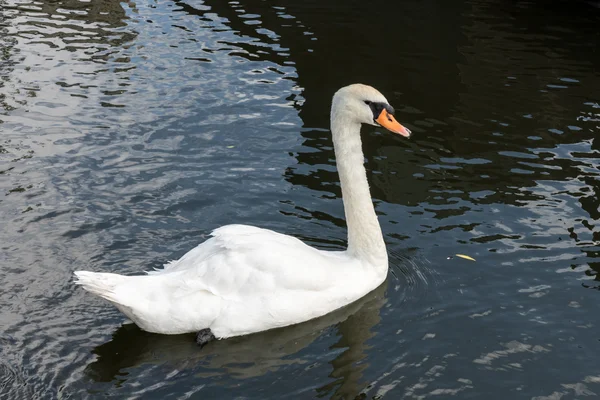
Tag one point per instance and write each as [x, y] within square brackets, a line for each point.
[367, 102]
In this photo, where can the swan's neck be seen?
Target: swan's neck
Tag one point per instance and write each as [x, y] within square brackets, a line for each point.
[365, 240]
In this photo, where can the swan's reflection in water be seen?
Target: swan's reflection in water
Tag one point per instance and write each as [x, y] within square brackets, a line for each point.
[253, 355]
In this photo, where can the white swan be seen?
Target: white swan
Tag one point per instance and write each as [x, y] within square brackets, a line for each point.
[246, 279]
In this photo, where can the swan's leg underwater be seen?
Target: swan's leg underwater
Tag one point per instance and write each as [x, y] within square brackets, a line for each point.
[204, 336]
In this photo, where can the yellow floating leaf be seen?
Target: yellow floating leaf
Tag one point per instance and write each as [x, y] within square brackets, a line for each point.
[465, 257]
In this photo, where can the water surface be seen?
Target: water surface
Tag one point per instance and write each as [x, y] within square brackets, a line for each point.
[130, 130]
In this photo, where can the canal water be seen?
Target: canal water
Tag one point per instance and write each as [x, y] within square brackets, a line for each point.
[130, 130]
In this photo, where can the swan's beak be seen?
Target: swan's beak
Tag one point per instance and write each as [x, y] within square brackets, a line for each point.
[388, 121]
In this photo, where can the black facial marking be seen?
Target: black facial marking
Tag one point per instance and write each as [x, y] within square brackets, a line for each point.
[377, 108]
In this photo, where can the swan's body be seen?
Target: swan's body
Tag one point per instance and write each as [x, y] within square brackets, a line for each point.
[246, 279]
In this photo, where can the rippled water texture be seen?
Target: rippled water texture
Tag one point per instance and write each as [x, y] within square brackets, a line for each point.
[130, 130]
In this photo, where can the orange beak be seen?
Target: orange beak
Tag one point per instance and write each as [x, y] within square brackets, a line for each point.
[388, 121]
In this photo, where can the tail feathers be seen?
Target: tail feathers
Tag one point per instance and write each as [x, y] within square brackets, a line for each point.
[100, 283]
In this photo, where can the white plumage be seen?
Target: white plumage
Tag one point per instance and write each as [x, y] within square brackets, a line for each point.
[246, 279]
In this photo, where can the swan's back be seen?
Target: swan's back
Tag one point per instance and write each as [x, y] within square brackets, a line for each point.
[239, 258]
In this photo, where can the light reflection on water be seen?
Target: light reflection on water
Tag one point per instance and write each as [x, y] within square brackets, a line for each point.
[130, 130]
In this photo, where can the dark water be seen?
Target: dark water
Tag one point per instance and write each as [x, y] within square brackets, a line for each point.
[130, 130]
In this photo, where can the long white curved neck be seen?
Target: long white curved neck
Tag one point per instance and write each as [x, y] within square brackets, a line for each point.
[365, 240]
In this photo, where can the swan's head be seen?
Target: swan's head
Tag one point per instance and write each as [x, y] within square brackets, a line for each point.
[365, 105]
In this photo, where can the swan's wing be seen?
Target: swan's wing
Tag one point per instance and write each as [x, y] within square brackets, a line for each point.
[241, 260]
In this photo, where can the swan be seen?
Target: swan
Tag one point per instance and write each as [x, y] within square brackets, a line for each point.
[245, 279]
